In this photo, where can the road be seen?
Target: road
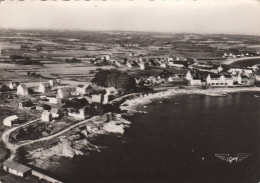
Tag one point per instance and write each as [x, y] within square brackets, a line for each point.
[13, 147]
[230, 61]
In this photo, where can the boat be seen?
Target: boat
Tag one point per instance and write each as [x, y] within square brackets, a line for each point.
[256, 96]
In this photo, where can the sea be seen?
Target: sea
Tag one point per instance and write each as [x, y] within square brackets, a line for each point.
[176, 142]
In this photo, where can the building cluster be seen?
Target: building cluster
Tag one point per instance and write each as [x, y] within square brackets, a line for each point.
[141, 63]
[240, 54]
[222, 77]
[56, 101]
[151, 81]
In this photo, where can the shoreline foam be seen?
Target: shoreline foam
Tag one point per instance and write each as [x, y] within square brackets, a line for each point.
[131, 104]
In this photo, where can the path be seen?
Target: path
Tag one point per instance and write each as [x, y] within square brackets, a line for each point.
[13, 147]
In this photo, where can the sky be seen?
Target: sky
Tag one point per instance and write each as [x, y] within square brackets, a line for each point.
[177, 16]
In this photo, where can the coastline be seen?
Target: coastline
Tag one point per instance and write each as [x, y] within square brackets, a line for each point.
[131, 104]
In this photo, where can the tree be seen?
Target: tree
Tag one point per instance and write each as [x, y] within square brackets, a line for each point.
[114, 78]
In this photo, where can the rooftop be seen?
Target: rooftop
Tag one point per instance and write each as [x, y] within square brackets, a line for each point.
[16, 166]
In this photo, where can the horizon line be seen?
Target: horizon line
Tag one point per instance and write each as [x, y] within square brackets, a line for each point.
[141, 31]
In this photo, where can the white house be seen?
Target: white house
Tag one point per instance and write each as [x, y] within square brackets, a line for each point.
[64, 92]
[97, 98]
[55, 113]
[52, 82]
[46, 116]
[16, 168]
[44, 87]
[83, 89]
[110, 92]
[188, 76]
[220, 80]
[220, 69]
[235, 71]
[242, 79]
[141, 65]
[11, 120]
[128, 65]
[195, 81]
[22, 90]
[53, 100]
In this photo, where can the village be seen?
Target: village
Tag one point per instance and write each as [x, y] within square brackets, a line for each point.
[58, 94]
[54, 102]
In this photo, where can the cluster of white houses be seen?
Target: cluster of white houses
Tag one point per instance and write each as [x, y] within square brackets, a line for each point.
[221, 79]
[52, 93]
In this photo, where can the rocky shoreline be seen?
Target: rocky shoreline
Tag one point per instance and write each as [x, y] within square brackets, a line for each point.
[77, 141]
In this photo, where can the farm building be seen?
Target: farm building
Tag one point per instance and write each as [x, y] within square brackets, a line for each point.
[11, 120]
[16, 168]
[22, 90]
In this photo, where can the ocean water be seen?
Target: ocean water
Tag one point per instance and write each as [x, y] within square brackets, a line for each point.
[176, 141]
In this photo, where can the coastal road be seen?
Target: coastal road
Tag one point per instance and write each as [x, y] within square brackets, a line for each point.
[58, 133]
[230, 61]
[6, 135]
[13, 147]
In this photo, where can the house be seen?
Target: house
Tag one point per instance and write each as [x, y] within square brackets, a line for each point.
[109, 95]
[16, 168]
[242, 79]
[64, 92]
[220, 69]
[22, 90]
[141, 65]
[195, 81]
[53, 100]
[11, 120]
[235, 71]
[80, 114]
[219, 80]
[46, 116]
[53, 82]
[188, 76]
[84, 89]
[14, 85]
[55, 113]
[97, 98]
[129, 65]
[44, 87]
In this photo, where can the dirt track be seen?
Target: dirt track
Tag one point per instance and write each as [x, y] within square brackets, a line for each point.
[13, 147]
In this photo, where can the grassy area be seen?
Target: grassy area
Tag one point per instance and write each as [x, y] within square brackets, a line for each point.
[40, 129]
